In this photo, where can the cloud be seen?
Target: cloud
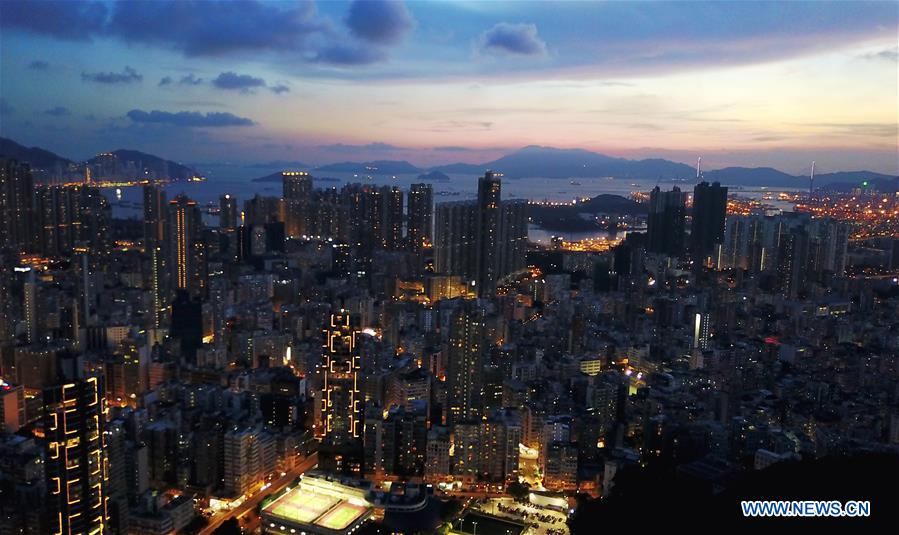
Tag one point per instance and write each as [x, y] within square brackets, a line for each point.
[216, 28]
[372, 147]
[189, 118]
[349, 55]
[516, 39]
[859, 129]
[73, 21]
[38, 65]
[232, 81]
[889, 54]
[190, 79]
[384, 22]
[278, 89]
[58, 111]
[125, 77]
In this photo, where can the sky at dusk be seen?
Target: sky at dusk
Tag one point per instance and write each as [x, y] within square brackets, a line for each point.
[740, 83]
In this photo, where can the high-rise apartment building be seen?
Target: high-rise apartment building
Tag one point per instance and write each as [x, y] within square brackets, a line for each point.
[489, 217]
[420, 216]
[666, 221]
[229, 216]
[465, 362]
[76, 460]
[187, 249]
[297, 194]
[16, 205]
[342, 398]
[709, 212]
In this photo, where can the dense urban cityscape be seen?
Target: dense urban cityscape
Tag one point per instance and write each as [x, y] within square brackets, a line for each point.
[375, 347]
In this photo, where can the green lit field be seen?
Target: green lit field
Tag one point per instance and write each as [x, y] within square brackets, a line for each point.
[341, 516]
[301, 506]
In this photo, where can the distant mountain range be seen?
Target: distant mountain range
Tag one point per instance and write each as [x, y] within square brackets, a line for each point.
[126, 164]
[528, 162]
[37, 157]
[553, 163]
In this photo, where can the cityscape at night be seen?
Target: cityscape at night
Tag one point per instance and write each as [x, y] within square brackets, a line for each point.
[374, 267]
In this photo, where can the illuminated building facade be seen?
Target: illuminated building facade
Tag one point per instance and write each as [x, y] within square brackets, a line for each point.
[342, 399]
[155, 248]
[76, 461]
[488, 235]
[187, 248]
[420, 217]
[297, 192]
[467, 338]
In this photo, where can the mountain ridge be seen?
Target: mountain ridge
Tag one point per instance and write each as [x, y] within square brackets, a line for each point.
[533, 161]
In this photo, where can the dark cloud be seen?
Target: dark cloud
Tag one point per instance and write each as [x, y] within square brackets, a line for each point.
[509, 38]
[214, 28]
[237, 82]
[58, 111]
[38, 65]
[383, 22]
[190, 79]
[125, 77]
[372, 147]
[189, 118]
[75, 21]
[278, 89]
[349, 55]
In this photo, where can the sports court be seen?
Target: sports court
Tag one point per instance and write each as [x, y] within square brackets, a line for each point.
[302, 507]
[340, 517]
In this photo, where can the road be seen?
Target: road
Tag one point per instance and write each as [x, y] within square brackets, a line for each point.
[250, 504]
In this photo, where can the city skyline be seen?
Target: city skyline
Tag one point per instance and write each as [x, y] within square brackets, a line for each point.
[658, 280]
[752, 84]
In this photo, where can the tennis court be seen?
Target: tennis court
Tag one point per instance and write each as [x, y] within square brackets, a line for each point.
[341, 517]
[302, 506]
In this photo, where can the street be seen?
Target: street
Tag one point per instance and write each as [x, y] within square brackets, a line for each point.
[249, 506]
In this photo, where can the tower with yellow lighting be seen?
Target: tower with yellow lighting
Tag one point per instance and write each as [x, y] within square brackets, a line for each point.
[76, 462]
[342, 400]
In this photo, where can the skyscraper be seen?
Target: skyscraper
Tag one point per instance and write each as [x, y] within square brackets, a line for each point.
[513, 236]
[489, 217]
[709, 212]
[156, 247]
[16, 205]
[297, 193]
[228, 215]
[187, 248]
[392, 212]
[465, 362]
[420, 217]
[342, 400]
[455, 238]
[76, 460]
[666, 222]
